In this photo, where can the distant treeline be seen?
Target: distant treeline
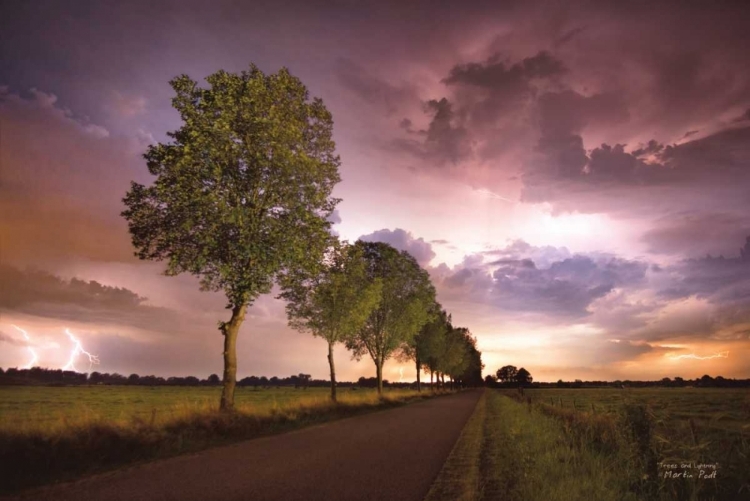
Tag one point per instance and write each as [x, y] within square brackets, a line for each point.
[678, 382]
[39, 375]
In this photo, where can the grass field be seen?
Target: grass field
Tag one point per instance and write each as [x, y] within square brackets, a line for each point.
[59, 433]
[724, 408]
[43, 408]
[640, 444]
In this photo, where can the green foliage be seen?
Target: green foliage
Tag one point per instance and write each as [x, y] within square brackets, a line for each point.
[406, 297]
[242, 193]
[455, 357]
[334, 302]
[432, 340]
[243, 190]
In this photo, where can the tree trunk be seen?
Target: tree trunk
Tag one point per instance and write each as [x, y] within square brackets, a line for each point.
[333, 371]
[379, 373]
[230, 331]
[419, 383]
[432, 385]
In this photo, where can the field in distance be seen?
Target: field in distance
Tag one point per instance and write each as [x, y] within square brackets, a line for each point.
[725, 408]
[39, 408]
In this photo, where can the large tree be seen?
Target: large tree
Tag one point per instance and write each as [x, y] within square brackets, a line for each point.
[335, 300]
[404, 307]
[241, 192]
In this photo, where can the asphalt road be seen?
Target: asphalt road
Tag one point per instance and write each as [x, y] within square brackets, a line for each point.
[388, 455]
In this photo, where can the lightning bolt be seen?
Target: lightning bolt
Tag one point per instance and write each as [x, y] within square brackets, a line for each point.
[693, 356]
[492, 194]
[34, 356]
[78, 350]
[400, 374]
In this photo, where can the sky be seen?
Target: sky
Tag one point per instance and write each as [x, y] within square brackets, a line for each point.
[575, 177]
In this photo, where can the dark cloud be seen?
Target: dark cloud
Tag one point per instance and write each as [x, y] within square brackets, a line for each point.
[32, 286]
[561, 287]
[653, 147]
[42, 294]
[372, 89]
[494, 75]
[568, 36]
[446, 138]
[567, 287]
[695, 234]
[405, 241]
[611, 163]
[720, 280]
[708, 173]
[569, 112]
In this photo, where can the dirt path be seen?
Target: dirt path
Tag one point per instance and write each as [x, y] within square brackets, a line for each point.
[389, 455]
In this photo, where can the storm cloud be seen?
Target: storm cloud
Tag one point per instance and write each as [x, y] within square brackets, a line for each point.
[615, 137]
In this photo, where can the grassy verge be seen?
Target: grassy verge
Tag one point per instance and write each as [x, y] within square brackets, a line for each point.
[35, 455]
[515, 453]
[514, 449]
[459, 480]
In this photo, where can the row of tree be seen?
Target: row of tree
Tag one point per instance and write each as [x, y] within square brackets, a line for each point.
[705, 381]
[242, 198]
[45, 376]
[379, 302]
[510, 376]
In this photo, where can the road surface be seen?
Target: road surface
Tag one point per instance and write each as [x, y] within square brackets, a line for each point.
[387, 455]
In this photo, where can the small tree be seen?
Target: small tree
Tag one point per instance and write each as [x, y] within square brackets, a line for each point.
[335, 301]
[523, 376]
[406, 296]
[507, 374]
[418, 349]
[241, 193]
[455, 358]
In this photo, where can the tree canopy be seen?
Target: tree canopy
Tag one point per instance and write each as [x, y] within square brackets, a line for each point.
[241, 192]
[406, 297]
[335, 300]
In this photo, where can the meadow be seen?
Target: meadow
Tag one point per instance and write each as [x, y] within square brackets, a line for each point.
[718, 408]
[58, 433]
[45, 408]
[603, 444]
